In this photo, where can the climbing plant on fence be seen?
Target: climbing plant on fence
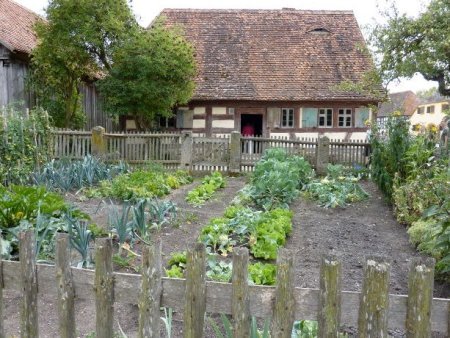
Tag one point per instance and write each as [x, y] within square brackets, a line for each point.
[25, 143]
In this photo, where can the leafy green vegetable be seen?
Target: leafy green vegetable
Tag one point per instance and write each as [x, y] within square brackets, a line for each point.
[206, 190]
[262, 273]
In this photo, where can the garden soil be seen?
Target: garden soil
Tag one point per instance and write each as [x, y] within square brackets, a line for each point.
[360, 230]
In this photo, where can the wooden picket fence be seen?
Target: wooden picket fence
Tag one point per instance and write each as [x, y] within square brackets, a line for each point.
[372, 311]
[204, 153]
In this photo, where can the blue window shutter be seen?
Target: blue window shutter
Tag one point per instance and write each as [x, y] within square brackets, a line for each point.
[361, 116]
[309, 117]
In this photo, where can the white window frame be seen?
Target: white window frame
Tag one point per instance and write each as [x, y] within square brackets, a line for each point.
[290, 113]
[323, 112]
[347, 112]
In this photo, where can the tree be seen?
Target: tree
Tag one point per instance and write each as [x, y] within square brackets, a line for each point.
[151, 73]
[76, 43]
[408, 45]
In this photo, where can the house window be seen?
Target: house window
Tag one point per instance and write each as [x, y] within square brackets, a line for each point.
[344, 117]
[167, 122]
[325, 117]
[420, 110]
[430, 109]
[287, 117]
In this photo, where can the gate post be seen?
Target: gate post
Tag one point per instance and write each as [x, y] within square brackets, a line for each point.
[186, 150]
[98, 141]
[322, 155]
[235, 152]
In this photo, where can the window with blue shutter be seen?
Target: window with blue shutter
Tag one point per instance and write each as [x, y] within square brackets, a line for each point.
[361, 116]
[309, 117]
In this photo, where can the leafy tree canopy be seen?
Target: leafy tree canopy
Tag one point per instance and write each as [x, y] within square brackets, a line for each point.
[152, 72]
[406, 45]
[75, 43]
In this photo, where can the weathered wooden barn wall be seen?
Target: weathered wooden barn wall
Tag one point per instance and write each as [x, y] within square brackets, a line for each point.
[13, 91]
[13, 72]
[93, 107]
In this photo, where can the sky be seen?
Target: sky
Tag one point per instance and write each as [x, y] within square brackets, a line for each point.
[366, 12]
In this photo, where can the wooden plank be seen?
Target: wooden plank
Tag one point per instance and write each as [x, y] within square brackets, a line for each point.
[104, 288]
[420, 297]
[330, 297]
[218, 296]
[150, 295]
[374, 305]
[240, 301]
[195, 297]
[64, 283]
[28, 281]
[283, 312]
[2, 328]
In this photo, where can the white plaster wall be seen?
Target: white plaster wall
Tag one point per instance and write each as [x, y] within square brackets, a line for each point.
[199, 110]
[306, 135]
[223, 124]
[198, 123]
[219, 110]
[279, 135]
[427, 118]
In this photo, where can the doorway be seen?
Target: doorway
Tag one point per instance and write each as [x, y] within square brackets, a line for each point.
[253, 120]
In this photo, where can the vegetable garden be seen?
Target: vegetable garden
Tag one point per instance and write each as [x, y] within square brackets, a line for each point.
[283, 204]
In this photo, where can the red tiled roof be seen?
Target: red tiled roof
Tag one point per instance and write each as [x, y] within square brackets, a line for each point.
[273, 54]
[16, 27]
[405, 102]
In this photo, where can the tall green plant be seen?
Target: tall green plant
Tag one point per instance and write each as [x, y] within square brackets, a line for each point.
[388, 153]
[25, 141]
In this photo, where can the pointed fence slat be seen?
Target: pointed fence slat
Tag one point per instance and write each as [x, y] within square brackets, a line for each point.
[104, 289]
[195, 297]
[240, 300]
[420, 297]
[374, 305]
[29, 313]
[330, 297]
[283, 312]
[64, 282]
[150, 295]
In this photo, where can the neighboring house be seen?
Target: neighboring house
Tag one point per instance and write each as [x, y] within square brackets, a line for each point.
[430, 113]
[17, 40]
[276, 70]
[403, 102]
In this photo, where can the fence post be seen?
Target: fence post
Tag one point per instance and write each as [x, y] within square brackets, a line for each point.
[2, 329]
[186, 150]
[66, 294]
[195, 297]
[104, 288]
[28, 276]
[284, 308]
[235, 152]
[330, 297]
[323, 154]
[420, 297]
[374, 299]
[150, 295]
[98, 141]
[240, 299]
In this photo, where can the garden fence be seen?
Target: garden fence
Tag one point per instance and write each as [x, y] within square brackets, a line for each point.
[372, 311]
[200, 153]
